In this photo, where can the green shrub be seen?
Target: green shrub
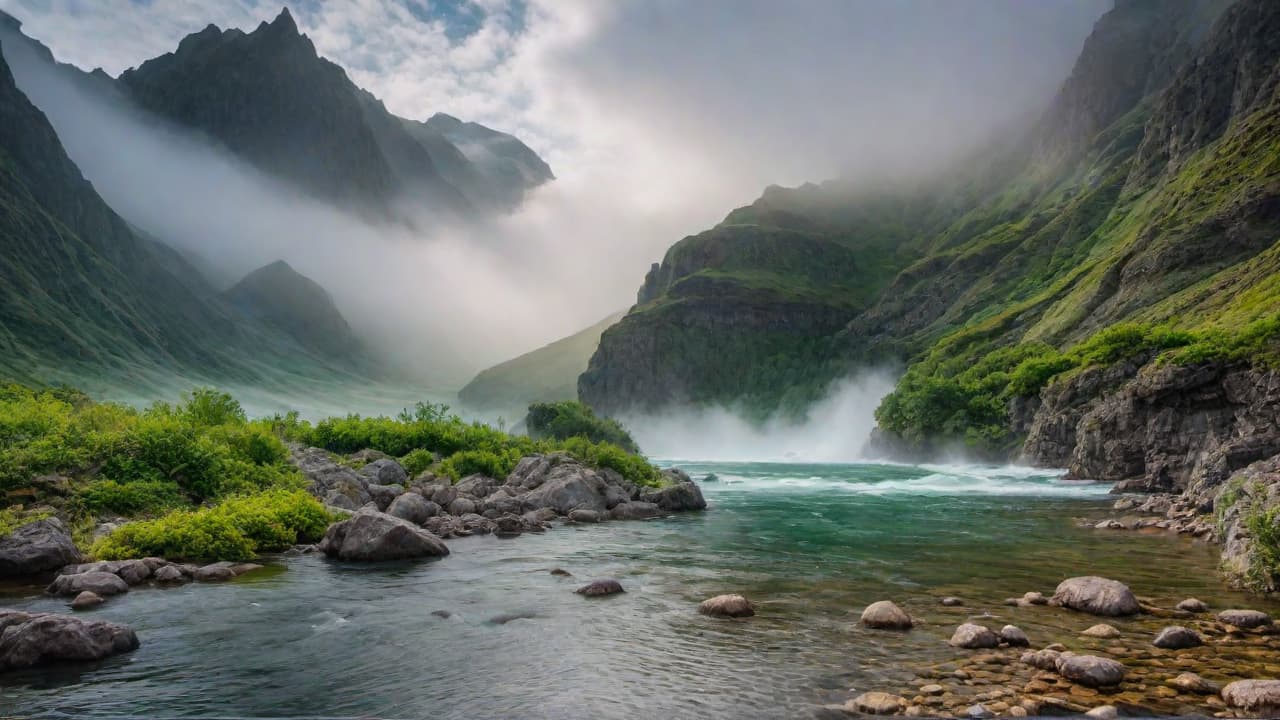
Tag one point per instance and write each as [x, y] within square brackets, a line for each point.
[605, 455]
[237, 529]
[162, 446]
[484, 462]
[13, 518]
[417, 461]
[571, 419]
[144, 497]
[208, 407]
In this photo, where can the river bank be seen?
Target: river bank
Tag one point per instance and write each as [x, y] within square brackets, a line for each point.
[811, 545]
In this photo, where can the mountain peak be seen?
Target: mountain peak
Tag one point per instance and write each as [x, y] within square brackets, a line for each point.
[284, 22]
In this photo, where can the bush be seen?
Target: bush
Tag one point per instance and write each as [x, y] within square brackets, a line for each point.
[484, 462]
[145, 497]
[237, 529]
[417, 461]
[605, 455]
[571, 419]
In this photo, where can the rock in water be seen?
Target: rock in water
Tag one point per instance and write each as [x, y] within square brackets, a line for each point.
[1191, 682]
[952, 601]
[601, 587]
[1035, 598]
[876, 703]
[37, 547]
[1104, 712]
[369, 536]
[1259, 698]
[413, 507]
[884, 615]
[213, 573]
[1097, 596]
[169, 574]
[1090, 670]
[1103, 631]
[28, 639]
[1013, 636]
[733, 606]
[971, 636]
[1193, 605]
[1042, 659]
[1178, 638]
[1246, 619]
[85, 600]
[683, 494]
[101, 583]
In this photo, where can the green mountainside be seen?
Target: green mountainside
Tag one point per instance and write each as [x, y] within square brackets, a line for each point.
[548, 374]
[1144, 201]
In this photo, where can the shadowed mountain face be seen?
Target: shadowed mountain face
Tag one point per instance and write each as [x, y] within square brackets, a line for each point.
[270, 99]
[1147, 193]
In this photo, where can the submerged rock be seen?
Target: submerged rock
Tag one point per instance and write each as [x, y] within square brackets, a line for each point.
[1104, 712]
[971, 636]
[1090, 670]
[1260, 698]
[29, 639]
[885, 615]
[1035, 598]
[1013, 636]
[1193, 605]
[1042, 659]
[1247, 619]
[1191, 682]
[1178, 638]
[733, 606]
[1103, 631]
[37, 547]
[371, 536]
[601, 587]
[876, 703]
[86, 599]
[1097, 596]
[952, 602]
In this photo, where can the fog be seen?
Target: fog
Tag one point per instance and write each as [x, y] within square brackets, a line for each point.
[658, 118]
[836, 428]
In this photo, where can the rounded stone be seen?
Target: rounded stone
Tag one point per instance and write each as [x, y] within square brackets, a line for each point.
[877, 703]
[952, 602]
[1103, 631]
[1090, 670]
[1178, 638]
[1097, 596]
[1246, 619]
[600, 588]
[1104, 712]
[1013, 636]
[1193, 605]
[884, 615]
[86, 599]
[971, 636]
[1036, 598]
[1191, 682]
[730, 606]
[1259, 697]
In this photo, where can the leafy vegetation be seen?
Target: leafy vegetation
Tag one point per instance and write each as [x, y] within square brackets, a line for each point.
[570, 419]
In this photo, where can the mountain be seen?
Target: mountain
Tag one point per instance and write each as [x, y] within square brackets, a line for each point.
[268, 97]
[548, 374]
[83, 296]
[1032, 293]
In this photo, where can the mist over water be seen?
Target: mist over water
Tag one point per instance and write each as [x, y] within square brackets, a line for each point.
[835, 429]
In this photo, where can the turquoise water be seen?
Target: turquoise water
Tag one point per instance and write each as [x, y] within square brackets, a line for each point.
[810, 544]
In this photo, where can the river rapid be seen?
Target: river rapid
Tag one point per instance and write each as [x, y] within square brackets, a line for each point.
[488, 632]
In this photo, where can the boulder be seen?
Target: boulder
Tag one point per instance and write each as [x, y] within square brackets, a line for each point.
[568, 486]
[462, 506]
[1246, 619]
[1193, 605]
[370, 536]
[385, 471]
[636, 510]
[1097, 596]
[444, 495]
[477, 485]
[331, 481]
[384, 495]
[169, 574]
[1090, 670]
[29, 639]
[1013, 636]
[86, 599]
[502, 502]
[102, 583]
[971, 637]
[37, 547]
[680, 496]
[598, 588]
[732, 606]
[133, 571]
[1259, 698]
[1035, 598]
[213, 573]
[1193, 683]
[413, 507]
[583, 515]
[1042, 659]
[876, 703]
[1102, 631]
[1178, 638]
[367, 456]
[884, 615]
[509, 525]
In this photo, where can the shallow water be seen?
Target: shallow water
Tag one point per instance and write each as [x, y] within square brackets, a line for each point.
[811, 544]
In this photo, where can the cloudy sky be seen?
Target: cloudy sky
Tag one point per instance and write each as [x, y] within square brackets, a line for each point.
[657, 117]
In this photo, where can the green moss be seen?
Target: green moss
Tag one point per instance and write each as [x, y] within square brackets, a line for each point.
[569, 419]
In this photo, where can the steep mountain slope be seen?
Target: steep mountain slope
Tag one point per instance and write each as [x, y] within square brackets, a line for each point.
[1138, 217]
[269, 98]
[84, 296]
[548, 374]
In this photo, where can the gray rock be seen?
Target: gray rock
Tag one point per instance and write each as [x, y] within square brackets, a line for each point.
[37, 547]
[30, 639]
[413, 507]
[731, 606]
[568, 486]
[133, 571]
[213, 573]
[371, 536]
[444, 495]
[86, 599]
[385, 471]
[583, 515]
[1090, 670]
[367, 456]
[462, 506]
[1097, 596]
[384, 495]
[340, 500]
[1191, 682]
[615, 495]
[102, 583]
[1178, 638]
[329, 479]
[637, 510]
[971, 637]
[1042, 659]
[682, 496]
[876, 703]
[599, 588]
[503, 502]
[979, 712]
[1104, 712]
[1193, 605]
[1102, 631]
[1259, 698]
[885, 615]
[952, 602]
[1247, 619]
[477, 485]
[1013, 636]
[509, 525]
[561, 572]
[169, 574]
[1035, 598]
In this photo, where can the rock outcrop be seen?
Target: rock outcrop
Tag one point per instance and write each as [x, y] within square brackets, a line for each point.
[29, 639]
[37, 547]
[370, 535]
